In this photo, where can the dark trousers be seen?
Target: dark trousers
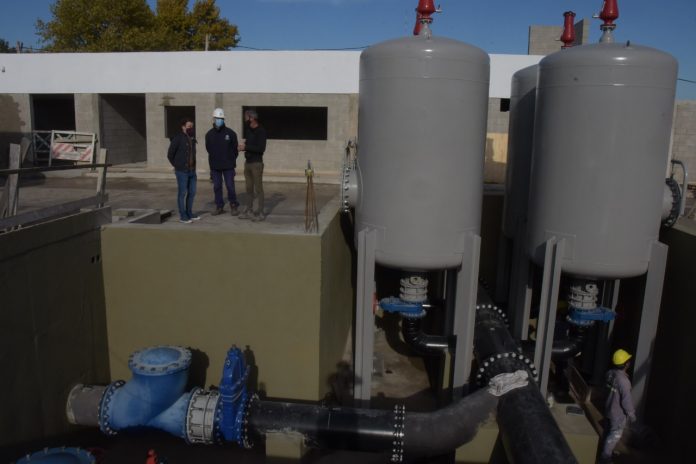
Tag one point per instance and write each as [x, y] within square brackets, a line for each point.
[186, 183]
[253, 175]
[228, 175]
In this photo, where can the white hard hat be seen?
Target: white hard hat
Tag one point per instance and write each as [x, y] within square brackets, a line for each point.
[218, 113]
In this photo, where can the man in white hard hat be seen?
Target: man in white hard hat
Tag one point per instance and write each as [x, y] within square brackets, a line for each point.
[618, 409]
[221, 144]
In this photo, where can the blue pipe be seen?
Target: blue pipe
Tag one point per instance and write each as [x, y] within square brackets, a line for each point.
[154, 397]
[59, 456]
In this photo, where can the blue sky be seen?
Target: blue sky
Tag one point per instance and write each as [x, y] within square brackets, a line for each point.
[496, 26]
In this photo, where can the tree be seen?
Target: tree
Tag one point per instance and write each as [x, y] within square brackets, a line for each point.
[5, 47]
[97, 26]
[205, 20]
[130, 25]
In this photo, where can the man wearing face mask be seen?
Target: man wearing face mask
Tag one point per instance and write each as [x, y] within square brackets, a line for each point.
[221, 144]
[182, 155]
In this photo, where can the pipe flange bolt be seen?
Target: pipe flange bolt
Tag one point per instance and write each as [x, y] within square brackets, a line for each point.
[247, 443]
[398, 436]
[105, 408]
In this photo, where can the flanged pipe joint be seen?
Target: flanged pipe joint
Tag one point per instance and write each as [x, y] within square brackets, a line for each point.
[155, 397]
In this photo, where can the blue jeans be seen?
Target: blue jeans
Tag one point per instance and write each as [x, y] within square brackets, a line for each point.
[186, 181]
[228, 175]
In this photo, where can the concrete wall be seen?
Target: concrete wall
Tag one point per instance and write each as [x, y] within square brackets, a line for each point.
[123, 128]
[670, 404]
[496, 143]
[282, 157]
[87, 113]
[684, 137]
[52, 322]
[15, 121]
[280, 296]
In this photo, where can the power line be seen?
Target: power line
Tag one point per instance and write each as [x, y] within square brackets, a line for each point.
[304, 49]
[687, 80]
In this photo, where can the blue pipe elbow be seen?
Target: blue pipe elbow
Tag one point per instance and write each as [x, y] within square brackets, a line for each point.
[159, 378]
[173, 419]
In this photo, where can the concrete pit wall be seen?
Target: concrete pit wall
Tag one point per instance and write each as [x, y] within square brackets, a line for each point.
[285, 299]
[52, 322]
[670, 404]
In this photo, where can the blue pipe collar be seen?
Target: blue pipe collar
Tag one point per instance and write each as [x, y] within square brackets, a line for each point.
[405, 308]
[586, 317]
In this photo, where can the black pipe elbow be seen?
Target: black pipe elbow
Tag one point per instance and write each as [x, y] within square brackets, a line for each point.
[422, 343]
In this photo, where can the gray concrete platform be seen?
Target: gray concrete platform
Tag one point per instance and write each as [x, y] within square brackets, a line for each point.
[285, 202]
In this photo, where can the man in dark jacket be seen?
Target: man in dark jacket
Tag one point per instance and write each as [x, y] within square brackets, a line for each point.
[618, 409]
[253, 147]
[221, 144]
[182, 155]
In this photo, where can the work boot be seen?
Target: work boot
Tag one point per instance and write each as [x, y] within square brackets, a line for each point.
[246, 214]
[234, 211]
[217, 212]
[258, 217]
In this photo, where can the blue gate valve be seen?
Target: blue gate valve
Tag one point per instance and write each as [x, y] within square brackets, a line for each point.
[233, 394]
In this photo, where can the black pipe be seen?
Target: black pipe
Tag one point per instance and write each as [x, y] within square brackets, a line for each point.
[562, 349]
[526, 425]
[494, 347]
[324, 427]
[396, 432]
[441, 431]
[422, 343]
[529, 431]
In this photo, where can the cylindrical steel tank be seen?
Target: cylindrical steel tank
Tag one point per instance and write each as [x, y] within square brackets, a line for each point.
[601, 142]
[422, 134]
[519, 155]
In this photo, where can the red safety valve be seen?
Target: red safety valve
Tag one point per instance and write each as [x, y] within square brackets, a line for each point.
[609, 13]
[568, 36]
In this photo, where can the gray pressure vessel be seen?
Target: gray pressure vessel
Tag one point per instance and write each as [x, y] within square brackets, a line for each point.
[601, 143]
[421, 134]
[519, 154]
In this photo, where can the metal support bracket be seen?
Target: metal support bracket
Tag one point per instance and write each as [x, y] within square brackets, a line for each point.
[649, 317]
[546, 323]
[364, 317]
[465, 316]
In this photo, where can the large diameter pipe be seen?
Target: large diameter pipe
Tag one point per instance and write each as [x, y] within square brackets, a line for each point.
[529, 431]
[397, 432]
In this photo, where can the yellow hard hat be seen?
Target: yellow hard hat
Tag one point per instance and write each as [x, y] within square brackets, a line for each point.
[620, 357]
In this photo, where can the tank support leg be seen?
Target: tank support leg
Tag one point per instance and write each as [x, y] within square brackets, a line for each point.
[520, 300]
[548, 304]
[364, 318]
[648, 323]
[465, 316]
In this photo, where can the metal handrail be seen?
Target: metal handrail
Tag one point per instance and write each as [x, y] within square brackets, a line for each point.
[7, 172]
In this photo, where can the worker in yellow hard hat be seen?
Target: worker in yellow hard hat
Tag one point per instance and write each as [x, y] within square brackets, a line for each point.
[618, 409]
